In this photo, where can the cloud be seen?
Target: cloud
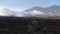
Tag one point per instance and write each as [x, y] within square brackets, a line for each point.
[18, 10]
[5, 11]
[35, 12]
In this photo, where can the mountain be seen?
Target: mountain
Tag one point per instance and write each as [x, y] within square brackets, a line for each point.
[36, 11]
[48, 11]
[34, 8]
[55, 10]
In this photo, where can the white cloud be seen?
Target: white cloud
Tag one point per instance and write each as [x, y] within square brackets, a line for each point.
[18, 10]
[5, 11]
[35, 12]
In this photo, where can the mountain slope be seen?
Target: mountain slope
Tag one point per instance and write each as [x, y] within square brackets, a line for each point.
[48, 11]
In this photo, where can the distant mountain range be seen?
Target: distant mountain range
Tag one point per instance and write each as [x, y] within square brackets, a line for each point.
[48, 11]
[52, 11]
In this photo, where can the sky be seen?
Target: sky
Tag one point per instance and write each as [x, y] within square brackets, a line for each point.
[26, 4]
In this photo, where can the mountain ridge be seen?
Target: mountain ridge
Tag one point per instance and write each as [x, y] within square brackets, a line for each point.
[48, 10]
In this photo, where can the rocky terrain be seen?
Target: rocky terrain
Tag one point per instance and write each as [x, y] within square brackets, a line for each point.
[20, 25]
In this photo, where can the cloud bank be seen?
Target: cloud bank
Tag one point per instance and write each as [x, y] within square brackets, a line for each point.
[4, 11]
